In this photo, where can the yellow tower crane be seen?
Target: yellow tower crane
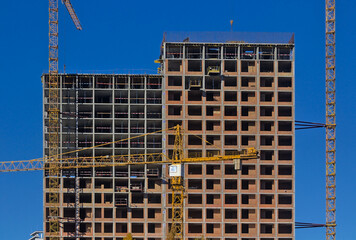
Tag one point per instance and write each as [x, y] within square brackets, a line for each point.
[175, 170]
[330, 120]
[53, 113]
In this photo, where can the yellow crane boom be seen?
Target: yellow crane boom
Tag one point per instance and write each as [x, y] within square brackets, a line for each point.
[177, 179]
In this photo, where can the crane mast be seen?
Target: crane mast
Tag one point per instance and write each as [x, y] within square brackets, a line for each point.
[53, 115]
[330, 121]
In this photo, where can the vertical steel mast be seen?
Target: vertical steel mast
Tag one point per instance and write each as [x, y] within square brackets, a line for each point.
[53, 127]
[330, 121]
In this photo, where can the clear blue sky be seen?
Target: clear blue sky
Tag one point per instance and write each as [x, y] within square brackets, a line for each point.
[124, 37]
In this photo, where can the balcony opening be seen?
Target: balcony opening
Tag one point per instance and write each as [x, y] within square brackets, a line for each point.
[247, 96]
[266, 228]
[194, 110]
[212, 110]
[230, 199]
[285, 185]
[267, 140]
[174, 81]
[195, 214]
[284, 111]
[212, 125]
[230, 228]
[194, 125]
[230, 81]
[195, 199]
[194, 140]
[266, 126]
[174, 110]
[266, 169]
[285, 126]
[285, 140]
[266, 66]
[266, 111]
[284, 97]
[247, 111]
[195, 184]
[195, 228]
[284, 214]
[267, 155]
[212, 169]
[174, 95]
[266, 96]
[230, 140]
[230, 213]
[285, 228]
[195, 96]
[230, 111]
[284, 170]
[284, 82]
[194, 65]
[284, 199]
[174, 65]
[284, 66]
[267, 184]
[230, 66]
[266, 213]
[266, 199]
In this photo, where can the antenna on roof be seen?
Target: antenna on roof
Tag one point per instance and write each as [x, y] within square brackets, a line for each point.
[231, 23]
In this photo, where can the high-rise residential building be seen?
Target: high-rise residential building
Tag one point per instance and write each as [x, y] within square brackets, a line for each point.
[229, 91]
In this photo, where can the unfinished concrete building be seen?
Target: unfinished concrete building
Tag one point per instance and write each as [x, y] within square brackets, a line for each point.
[229, 91]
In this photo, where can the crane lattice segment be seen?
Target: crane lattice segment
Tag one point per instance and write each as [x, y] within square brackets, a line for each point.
[330, 121]
[53, 127]
[72, 14]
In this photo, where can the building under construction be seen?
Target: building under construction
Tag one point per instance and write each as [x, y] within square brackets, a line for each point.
[229, 91]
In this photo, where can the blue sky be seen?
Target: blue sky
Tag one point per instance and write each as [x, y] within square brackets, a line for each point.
[124, 37]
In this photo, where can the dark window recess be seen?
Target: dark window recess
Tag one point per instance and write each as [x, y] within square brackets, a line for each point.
[266, 184]
[284, 111]
[285, 155]
[194, 199]
[230, 111]
[267, 140]
[174, 81]
[284, 214]
[230, 228]
[266, 81]
[245, 111]
[266, 126]
[266, 111]
[194, 140]
[195, 96]
[266, 199]
[230, 170]
[266, 96]
[284, 170]
[194, 169]
[247, 96]
[194, 110]
[285, 185]
[230, 213]
[266, 213]
[194, 65]
[195, 213]
[194, 228]
[230, 66]
[174, 95]
[230, 199]
[174, 65]
[266, 228]
[174, 110]
[247, 66]
[246, 169]
[267, 155]
[211, 169]
[211, 124]
[248, 82]
[230, 81]
[244, 228]
[230, 184]
[173, 123]
[245, 198]
[212, 96]
[285, 140]
[285, 228]
[194, 125]
[246, 125]
[285, 66]
[284, 199]
[246, 140]
[266, 169]
[284, 97]
[285, 126]
[230, 96]
[230, 125]
[284, 82]
[212, 198]
[266, 66]
[244, 213]
[230, 140]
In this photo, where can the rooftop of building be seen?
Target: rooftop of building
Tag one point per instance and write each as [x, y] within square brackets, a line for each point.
[229, 37]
